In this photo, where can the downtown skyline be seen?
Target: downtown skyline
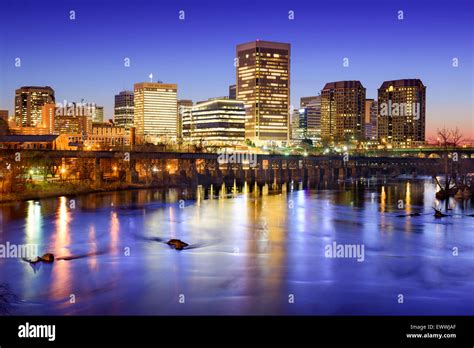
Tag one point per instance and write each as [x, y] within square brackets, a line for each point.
[94, 70]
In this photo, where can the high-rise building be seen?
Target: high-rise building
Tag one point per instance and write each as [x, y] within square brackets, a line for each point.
[370, 119]
[263, 84]
[402, 113]
[232, 92]
[156, 111]
[124, 109]
[73, 125]
[73, 119]
[343, 111]
[48, 112]
[297, 118]
[217, 121]
[97, 114]
[311, 120]
[184, 108]
[28, 103]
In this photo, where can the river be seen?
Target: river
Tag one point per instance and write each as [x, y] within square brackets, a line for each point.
[249, 254]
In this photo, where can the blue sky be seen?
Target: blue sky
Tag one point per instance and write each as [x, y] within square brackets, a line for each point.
[83, 58]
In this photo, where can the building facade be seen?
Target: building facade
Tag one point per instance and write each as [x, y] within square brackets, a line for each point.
[370, 119]
[4, 115]
[184, 107]
[263, 84]
[343, 111]
[232, 92]
[216, 122]
[124, 109]
[28, 103]
[48, 115]
[156, 112]
[97, 114]
[296, 119]
[107, 135]
[402, 113]
[311, 120]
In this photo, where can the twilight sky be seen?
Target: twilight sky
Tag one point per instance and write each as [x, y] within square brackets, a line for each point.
[84, 58]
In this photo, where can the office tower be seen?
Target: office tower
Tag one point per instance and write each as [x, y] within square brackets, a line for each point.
[402, 113]
[4, 115]
[124, 109]
[232, 92]
[28, 103]
[97, 114]
[311, 122]
[156, 112]
[263, 84]
[184, 107]
[48, 112]
[217, 121]
[342, 111]
[73, 119]
[370, 119]
[297, 121]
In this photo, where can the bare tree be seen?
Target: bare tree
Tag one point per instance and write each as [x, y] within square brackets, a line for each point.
[448, 141]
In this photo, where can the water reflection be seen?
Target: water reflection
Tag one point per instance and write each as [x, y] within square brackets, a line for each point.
[60, 284]
[251, 247]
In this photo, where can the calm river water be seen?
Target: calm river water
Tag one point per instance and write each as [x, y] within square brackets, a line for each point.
[249, 255]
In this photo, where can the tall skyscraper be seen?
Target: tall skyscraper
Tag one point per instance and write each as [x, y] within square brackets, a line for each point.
[232, 92]
[263, 84]
[311, 120]
[216, 121]
[156, 111]
[370, 119]
[402, 112]
[28, 103]
[343, 111]
[184, 108]
[124, 109]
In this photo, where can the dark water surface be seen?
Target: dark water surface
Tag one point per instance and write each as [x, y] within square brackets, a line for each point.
[249, 254]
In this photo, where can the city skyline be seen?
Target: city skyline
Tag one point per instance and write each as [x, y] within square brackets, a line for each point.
[205, 69]
[179, 159]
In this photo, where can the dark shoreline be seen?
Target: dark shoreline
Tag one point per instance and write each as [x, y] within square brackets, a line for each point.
[38, 196]
[12, 198]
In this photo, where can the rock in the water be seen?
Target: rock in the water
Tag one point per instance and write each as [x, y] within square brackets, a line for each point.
[178, 244]
[48, 258]
[438, 214]
[35, 260]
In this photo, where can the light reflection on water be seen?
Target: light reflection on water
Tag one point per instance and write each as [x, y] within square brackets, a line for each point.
[248, 252]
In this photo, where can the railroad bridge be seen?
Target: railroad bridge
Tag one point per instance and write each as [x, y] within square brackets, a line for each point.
[173, 168]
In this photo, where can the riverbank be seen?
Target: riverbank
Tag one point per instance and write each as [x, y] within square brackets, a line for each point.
[35, 191]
